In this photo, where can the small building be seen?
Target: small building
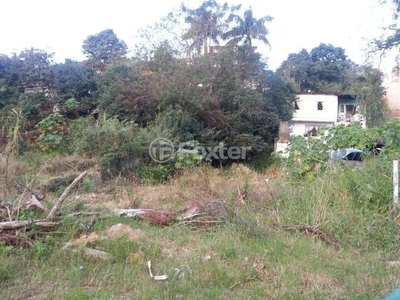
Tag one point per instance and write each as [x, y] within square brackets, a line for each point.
[315, 110]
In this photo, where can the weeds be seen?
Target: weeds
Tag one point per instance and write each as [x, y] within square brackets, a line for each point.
[247, 254]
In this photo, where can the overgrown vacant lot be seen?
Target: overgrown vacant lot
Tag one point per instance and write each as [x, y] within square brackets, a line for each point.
[247, 235]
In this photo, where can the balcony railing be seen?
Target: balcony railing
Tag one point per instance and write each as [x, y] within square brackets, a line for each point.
[343, 118]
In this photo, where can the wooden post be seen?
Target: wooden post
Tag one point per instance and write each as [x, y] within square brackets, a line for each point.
[395, 186]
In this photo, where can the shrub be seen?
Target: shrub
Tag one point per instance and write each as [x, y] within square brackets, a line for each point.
[52, 138]
[95, 137]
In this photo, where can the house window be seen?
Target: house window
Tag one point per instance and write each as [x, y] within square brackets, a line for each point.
[341, 108]
[320, 106]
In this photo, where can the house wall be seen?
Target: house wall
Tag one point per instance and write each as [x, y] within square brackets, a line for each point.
[308, 108]
[302, 128]
[309, 116]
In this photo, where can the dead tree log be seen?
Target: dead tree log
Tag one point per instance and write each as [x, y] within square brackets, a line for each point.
[11, 225]
[64, 195]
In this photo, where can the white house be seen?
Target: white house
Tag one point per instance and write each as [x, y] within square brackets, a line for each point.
[313, 111]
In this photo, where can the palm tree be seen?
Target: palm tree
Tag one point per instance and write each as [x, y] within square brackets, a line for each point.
[247, 28]
[206, 24]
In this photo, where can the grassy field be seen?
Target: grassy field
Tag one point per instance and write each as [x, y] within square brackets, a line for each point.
[241, 249]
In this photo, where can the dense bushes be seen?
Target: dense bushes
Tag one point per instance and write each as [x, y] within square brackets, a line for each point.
[121, 147]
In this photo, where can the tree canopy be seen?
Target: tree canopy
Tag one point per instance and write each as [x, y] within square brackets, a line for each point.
[104, 47]
[206, 24]
[176, 86]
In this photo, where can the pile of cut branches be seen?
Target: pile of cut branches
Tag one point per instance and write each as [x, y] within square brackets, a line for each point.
[9, 214]
[203, 215]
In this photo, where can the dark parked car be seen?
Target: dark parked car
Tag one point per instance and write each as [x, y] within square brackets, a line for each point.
[347, 154]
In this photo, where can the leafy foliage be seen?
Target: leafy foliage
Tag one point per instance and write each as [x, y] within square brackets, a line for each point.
[177, 88]
[35, 70]
[53, 131]
[309, 156]
[8, 80]
[187, 158]
[92, 136]
[104, 47]
[123, 90]
[120, 145]
[75, 80]
[391, 39]
[390, 137]
[324, 69]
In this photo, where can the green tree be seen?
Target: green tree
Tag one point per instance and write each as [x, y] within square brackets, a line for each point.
[324, 69]
[123, 90]
[247, 29]
[35, 106]
[75, 80]
[280, 93]
[249, 99]
[390, 39]
[35, 83]
[104, 47]
[9, 77]
[165, 34]
[52, 138]
[366, 84]
[35, 69]
[295, 68]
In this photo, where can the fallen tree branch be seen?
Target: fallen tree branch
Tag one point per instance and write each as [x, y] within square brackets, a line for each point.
[308, 229]
[20, 224]
[210, 211]
[64, 195]
[83, 213]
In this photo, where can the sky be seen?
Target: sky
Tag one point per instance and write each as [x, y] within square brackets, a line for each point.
[62, 26]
